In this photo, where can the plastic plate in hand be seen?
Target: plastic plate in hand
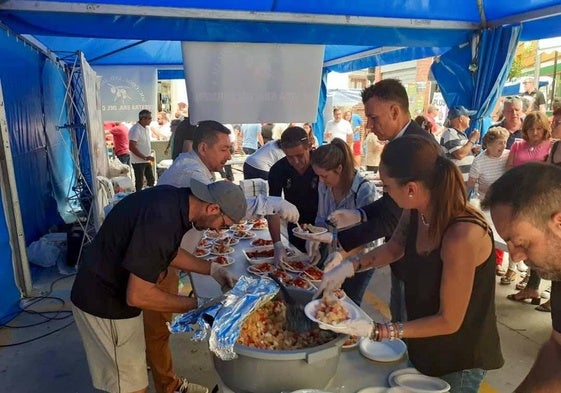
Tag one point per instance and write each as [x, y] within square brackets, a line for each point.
[311, 309]
[308, 231]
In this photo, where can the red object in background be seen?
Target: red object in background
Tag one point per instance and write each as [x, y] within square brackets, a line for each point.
[499, 255]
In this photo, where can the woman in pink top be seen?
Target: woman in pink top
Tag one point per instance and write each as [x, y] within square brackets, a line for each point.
[534, 146]
[535, 143]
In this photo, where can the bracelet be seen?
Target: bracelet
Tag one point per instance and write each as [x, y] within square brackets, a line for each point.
[391, 328]
[399, 330]
[383, 332]
[374, 335]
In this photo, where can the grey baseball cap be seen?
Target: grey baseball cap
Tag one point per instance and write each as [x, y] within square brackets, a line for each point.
[227, 195]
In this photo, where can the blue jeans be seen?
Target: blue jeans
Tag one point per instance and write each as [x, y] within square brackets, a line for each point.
[356, 285]
[465, 381]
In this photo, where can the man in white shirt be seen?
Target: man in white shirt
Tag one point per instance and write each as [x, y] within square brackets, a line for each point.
[338, 128]
[139, 146]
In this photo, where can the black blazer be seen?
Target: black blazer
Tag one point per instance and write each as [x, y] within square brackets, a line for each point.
[383, 214]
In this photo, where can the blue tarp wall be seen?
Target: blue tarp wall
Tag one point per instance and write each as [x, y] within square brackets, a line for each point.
[34, 94]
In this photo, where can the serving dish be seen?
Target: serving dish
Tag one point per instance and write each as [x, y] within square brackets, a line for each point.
[261, 242]
[221, 260]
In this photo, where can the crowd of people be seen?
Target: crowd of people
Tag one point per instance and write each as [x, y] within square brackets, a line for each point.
[439, 246]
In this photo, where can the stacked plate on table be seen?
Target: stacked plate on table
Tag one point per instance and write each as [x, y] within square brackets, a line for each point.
[413, 381]
[382, 351]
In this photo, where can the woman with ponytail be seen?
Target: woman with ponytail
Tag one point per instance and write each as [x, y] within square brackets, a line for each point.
[341, 187]
[449, 268]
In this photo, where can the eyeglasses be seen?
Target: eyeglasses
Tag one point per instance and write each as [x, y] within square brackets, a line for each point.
[290, 143]
[223, 219]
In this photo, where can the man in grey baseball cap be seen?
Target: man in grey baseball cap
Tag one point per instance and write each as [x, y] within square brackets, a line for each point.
[227, 195]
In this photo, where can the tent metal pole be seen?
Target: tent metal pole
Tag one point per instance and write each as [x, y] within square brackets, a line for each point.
[553, 82]
[252, 16]
[12, 208]
[116, 51]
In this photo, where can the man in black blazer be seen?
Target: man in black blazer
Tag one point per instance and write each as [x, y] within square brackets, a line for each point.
[386, 107]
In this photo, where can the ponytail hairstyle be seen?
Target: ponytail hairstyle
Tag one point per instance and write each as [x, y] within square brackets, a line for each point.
[333, 154]
[415, 158]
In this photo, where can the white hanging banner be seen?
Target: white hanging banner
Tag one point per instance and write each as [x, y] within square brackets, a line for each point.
[126, 90]
[250, 83]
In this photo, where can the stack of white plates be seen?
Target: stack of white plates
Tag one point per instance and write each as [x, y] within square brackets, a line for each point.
[412, 380]
[382, 351]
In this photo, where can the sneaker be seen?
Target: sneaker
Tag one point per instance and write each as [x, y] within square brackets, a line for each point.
[189, 387]
[521, 266]
[546, 294]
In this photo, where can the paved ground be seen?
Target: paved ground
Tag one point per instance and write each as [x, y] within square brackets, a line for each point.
[56, 363]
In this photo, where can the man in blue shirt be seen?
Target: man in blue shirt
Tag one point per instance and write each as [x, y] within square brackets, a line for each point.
[252, 137]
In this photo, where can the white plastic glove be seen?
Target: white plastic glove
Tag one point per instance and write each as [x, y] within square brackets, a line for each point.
[312, 247]
[280, 253]
[334, 278]
[285, 209]
[222, 276]
[326, 237]
[357, 327]
[343, 218]
[333, 260]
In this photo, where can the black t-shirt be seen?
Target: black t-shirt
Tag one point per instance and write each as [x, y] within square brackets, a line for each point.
[300, 190]
[556, 305]
[538, 97]
[185, 131]
[140, 235]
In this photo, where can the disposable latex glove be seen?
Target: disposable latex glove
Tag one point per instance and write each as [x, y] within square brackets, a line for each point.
[326, 237]
[222, 276]
[343, 218]
[285, 209]
[312, 247]
[280, 253]
[333, 260]
[357, 327]
[334, 278]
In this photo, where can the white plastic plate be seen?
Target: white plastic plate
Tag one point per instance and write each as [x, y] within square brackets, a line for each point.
[401, 371]
[311, 308]
[382, 351]
[422, 383]
[229, 260]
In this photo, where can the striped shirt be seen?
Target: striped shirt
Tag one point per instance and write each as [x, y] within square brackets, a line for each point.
[453, 140]
[486, 169]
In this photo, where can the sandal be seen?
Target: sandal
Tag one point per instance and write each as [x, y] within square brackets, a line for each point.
[522, 284]
[509, 277]
[533, 300]
[500, 271]
[545, 307]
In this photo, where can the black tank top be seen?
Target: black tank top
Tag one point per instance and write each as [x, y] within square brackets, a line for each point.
[476, 344]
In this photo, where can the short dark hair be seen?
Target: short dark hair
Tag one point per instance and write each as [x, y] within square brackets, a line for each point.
[207, 131]
[144, 114]
[532, 190]
[387, 90]
[294, 136]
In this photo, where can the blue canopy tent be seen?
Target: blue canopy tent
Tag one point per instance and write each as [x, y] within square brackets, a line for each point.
[356, 35]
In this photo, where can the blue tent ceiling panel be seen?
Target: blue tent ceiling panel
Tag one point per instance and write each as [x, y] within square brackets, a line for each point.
[346, 28]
